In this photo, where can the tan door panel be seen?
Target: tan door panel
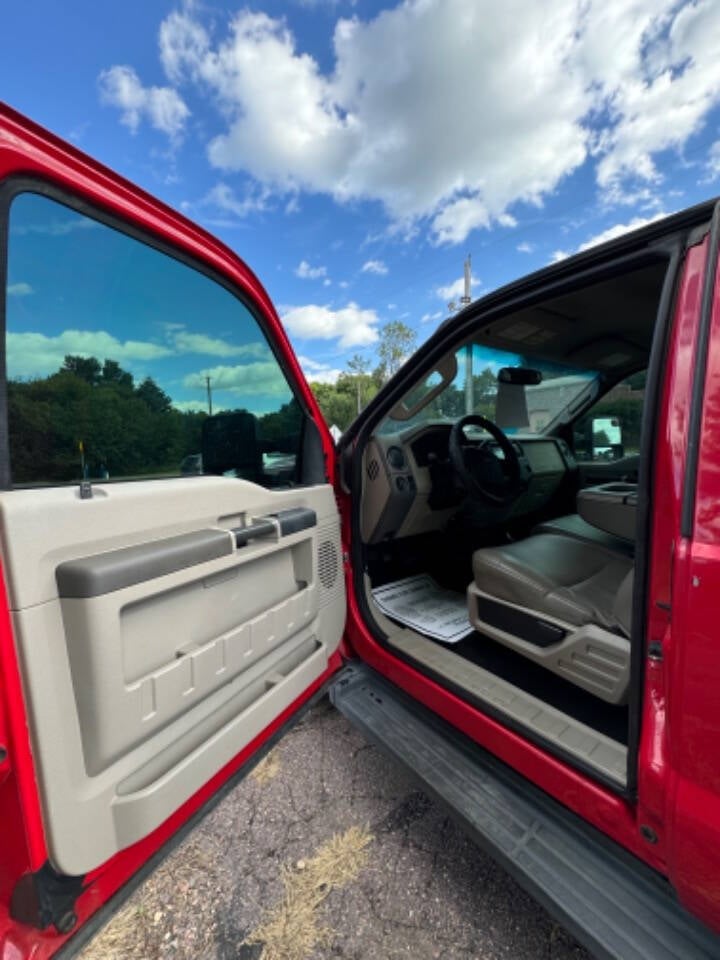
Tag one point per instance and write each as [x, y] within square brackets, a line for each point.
[154, 648]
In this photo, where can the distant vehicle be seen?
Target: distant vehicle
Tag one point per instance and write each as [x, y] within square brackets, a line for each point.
[192, 465]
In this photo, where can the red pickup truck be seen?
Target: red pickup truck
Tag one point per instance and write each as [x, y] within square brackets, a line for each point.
[506, 573]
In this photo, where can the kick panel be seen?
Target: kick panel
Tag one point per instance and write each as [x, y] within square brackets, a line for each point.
[167, 624]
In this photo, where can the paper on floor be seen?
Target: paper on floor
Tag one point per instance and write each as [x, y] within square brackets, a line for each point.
[418, 602]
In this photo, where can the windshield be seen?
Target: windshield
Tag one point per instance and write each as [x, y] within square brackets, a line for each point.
[517, 408]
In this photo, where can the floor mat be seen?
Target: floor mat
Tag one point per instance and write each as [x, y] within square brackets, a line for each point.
[418, 602]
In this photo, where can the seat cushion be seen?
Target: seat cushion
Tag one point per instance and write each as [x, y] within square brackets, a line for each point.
[574, 581]
[573, 525]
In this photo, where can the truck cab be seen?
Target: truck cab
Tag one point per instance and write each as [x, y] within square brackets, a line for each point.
[505, 572]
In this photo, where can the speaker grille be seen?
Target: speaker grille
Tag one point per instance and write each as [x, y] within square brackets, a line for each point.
[328, 565]
[373, 469]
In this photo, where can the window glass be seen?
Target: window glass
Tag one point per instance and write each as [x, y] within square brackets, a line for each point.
[124, 363]
[519, 408]
[610, 429]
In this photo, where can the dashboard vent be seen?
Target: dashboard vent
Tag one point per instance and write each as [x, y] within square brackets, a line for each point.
[327, 564]
[373, 469]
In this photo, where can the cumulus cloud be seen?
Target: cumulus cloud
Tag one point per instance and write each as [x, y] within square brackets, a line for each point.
[162, 107]
[713, 161]
[37, 355]
[525, 247]
[306, 272]
[432, 317]
[223, 197]
[19, 290]
[375, 266]
[456, 289]
[184, 341]
[351, 326]
[503, 115]
[319, 372]
[260, 378]
[610, 233]
[477, 108]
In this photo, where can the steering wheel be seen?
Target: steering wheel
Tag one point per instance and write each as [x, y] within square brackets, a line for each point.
[483, 475]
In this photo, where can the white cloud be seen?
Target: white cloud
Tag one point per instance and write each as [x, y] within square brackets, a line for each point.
[456, 289]
[196, 406]
[224, 198]
[713, 162]
[185, 342]
[375, 266]
[351, 326]
[247, 379]
[36, 355]
[432, 317]
[54, 228]
[19, 290]
[525, 247]
[306, 272]
[163, 107]
[477, 107]
[318, 372]
[610, 233]
[618, 229]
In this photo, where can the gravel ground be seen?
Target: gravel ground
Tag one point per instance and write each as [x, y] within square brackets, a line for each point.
[418, 889]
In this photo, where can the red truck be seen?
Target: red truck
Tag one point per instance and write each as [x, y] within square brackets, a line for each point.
[506, 573]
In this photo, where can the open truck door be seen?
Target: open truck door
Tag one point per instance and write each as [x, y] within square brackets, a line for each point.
[157, 623]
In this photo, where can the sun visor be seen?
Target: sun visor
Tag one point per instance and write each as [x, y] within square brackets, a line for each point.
[511, 409]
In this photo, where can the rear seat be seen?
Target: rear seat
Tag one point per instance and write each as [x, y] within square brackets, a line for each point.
[574, 526]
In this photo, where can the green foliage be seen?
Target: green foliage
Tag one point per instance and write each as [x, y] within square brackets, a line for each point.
[124, 430]
[337, 405]
[397, 342]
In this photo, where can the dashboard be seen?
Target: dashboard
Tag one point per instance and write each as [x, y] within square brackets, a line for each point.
[410, 487]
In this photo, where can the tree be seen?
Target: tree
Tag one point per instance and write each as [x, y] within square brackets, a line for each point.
[153, 395]
[359, 367]
[336, 405]
[112, 372]
[87, 368]
[397, 341]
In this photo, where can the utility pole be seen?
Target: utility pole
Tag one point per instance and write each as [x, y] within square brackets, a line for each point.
[209, 395]
[465, 300]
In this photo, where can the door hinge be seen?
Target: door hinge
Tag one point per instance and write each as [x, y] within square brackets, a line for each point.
[46, 898]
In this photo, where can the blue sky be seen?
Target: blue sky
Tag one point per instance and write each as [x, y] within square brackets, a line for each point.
[354, 153]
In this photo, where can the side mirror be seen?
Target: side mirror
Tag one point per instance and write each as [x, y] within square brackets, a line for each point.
[607, 438]
[230, 445]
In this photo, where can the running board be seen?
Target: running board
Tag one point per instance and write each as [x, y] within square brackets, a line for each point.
[611, 902]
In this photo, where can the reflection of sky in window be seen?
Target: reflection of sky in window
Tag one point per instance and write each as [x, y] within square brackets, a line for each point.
[76, 286]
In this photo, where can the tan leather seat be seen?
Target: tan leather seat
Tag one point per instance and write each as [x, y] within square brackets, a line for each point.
[572, 580]
[562, 602]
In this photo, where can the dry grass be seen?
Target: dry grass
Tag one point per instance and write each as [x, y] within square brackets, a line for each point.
[267, 769]
[141, 925]
[292, 929]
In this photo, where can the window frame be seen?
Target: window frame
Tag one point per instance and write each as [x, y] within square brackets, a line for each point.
[17, 184]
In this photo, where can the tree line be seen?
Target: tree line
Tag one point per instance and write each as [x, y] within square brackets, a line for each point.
[340, 402]
[91, 417]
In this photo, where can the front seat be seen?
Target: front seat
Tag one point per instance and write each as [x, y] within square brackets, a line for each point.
[562, 602]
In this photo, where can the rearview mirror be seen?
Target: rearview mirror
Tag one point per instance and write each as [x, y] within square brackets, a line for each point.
[607, 438]
[519, 376]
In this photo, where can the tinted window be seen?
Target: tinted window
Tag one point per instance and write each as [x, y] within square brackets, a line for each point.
[117, 354]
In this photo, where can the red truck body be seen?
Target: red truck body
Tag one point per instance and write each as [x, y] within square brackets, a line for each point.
[670, 818]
